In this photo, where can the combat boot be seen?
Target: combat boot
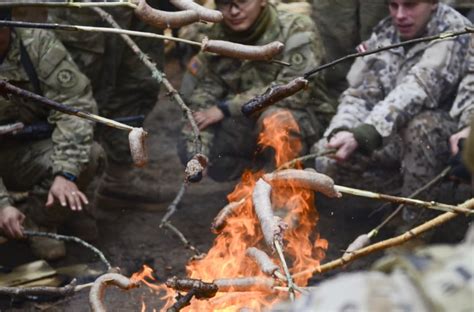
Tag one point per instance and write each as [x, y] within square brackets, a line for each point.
[125, 187]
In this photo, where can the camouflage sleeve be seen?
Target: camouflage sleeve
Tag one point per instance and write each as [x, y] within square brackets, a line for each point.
[4, 197]
[62, 81]
[357, 101]
[304, 51]
[208, 91]
[463, 107]
[423, 87]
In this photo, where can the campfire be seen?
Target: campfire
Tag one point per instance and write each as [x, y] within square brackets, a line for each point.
[242, 270]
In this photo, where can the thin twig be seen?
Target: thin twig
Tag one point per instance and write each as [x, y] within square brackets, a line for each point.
[293, 162]
[441, 36]
[289, 279]
[8, 88]
[402, 200]
[174, 205]
[159, 76]
[183, 238]
[21, 292]
[71, 239]
[395, 241]
[428, 185]
[66, 4]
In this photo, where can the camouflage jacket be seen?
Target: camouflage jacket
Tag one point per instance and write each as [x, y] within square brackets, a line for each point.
[389, 88]
[237, 81]
[59, 80]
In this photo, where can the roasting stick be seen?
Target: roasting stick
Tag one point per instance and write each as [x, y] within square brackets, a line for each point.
[391, 242]
[66, 4]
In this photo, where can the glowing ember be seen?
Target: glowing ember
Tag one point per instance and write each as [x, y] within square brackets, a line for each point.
[227, 258]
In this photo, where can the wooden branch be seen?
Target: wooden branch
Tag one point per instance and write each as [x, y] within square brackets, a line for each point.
[187, 244]
[183, 301]
[264, 100]
[388, 243]
[97, 291]
[157, 75]
[8, 88]
[71, 239]
[174, 204]
[202, 290]
[20, 292]
[289, 279]
[290, 164]
[66, 4]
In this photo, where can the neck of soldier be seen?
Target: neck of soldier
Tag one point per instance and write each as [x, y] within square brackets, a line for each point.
[5, 38]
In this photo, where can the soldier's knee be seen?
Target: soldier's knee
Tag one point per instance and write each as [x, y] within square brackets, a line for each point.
[420, 127]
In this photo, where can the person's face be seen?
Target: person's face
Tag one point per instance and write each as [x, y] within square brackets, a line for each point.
[410, 17]
[239, 15]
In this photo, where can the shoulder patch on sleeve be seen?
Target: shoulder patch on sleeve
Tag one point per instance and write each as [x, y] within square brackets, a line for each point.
[66, 78]
[194, 66]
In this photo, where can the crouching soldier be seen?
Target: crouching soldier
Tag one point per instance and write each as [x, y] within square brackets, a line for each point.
[394, 122]
[54, 169]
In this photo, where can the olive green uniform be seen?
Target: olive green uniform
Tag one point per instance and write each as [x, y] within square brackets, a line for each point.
[32, 164]
[230, 144]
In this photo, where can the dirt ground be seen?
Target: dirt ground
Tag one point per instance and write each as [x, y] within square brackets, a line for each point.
[131, 238]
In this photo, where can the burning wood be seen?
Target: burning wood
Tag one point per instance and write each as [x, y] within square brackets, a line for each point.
[263, 260]
[97, 291]
[164, 19]
[182, 301]
[245, 284]
[136, 140]
[201, 289]
[305, 179]
[272, 226]
[220, 220]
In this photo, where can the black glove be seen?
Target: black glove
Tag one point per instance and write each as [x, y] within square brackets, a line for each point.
[459, 171]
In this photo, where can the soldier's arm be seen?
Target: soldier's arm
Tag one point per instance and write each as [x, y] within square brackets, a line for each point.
[4, 197]
[425, 85]
[62, 81]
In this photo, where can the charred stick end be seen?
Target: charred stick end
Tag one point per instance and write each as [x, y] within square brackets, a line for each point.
[202, 290]
[195, 167]
[272, 95]
[136, 139]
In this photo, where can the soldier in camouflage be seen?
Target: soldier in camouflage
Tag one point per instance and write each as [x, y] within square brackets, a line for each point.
[123, 87]
[394, 122]
[355, 21]
[55, 170]
[225, 84]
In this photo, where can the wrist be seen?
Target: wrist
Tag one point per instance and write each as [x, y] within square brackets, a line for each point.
[223, 106]
[68, 176]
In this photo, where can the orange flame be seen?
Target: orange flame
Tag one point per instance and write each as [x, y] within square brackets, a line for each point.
[227, 257]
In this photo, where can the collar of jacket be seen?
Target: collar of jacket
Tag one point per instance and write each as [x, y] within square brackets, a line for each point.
[267, 18]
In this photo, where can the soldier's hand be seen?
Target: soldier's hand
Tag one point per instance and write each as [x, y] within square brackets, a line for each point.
[454, 139]
[207, 117]
[67, 193]
[345, 144]
[11, 220]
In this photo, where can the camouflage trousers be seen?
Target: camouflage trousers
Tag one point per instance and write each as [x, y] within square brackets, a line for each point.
[122, 85]
[25, 166]
[355, 20]
[408, 160]
[231, 145]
